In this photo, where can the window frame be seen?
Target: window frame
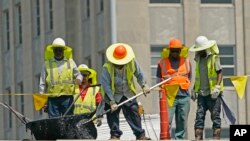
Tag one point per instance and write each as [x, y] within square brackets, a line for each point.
[233, 66]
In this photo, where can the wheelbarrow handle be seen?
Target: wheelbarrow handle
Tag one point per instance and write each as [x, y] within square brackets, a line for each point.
[122, 103]
[21, 117]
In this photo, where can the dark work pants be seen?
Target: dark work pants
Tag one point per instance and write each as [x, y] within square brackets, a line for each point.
[130, 111]
[205, 103]
[57, 106]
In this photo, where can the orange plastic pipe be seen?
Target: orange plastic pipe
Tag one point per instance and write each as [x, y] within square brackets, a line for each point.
[164, 124]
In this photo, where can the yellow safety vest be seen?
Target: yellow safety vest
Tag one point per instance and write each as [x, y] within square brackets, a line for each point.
[88, 104]
[212, 75]
[59, 84]
[130, 70]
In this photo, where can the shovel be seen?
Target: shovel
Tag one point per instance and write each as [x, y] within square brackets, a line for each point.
[122, 103]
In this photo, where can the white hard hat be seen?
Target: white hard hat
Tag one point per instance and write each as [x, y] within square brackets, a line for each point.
[59, 41]
[83, 66]
[202, 43]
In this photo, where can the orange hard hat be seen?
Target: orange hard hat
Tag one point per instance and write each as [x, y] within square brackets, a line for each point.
[175, 43]
[120, 52]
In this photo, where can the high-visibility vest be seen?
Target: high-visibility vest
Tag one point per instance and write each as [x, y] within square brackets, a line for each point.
[212, 75]
[179, 76]
[59, 84]
[88, 104]
[130, 70]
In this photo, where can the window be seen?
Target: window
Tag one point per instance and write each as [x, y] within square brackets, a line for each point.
[18, 24]
[21, 102]
[165, 1]
[6, 30]
[103, 57]
[99, 6]
[155, 57]
[50, 15]
[227, 60]
[217, 1]
[88, 9]
[7, 113]
[37, 18]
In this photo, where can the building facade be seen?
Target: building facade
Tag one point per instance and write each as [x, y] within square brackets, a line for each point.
[90, 26]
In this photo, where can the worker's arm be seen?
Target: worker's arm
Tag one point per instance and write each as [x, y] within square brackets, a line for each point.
[106, 84]
[139, 74]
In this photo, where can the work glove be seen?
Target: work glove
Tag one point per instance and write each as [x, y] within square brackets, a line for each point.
[194, 95]
[215, 92]
[98, 122]
[45, 108]
[145, 89]
[78, 82]
[113, 106]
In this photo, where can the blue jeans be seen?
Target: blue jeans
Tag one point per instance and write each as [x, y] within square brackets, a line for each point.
[180, 109]
[130, 111]
[57, 106]
[205, 103]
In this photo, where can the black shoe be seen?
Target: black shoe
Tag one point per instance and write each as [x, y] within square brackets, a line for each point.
[114, 138]
[143, 137]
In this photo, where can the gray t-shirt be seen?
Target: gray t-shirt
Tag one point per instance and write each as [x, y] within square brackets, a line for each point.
[204, 82]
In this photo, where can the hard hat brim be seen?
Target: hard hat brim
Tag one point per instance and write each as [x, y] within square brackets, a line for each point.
[50, 54]
[52, 46]
[129, 56]
[91, 71]
[195, 48]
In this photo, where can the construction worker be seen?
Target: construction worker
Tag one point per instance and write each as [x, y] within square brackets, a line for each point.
[178, 68]
[117, 81]
[87, 97]
[58, 78]
[208, 85]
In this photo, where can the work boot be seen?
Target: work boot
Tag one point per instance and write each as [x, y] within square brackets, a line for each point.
[114, 138]
[198, 134]
[216, 133]
[143, 137]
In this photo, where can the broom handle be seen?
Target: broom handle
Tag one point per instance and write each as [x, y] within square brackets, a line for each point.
[139, 94]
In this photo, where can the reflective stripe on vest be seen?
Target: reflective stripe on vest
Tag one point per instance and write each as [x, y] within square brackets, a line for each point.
[130, 70]
[179, 76]
[59, 84]
[212, 75]
[88, 104]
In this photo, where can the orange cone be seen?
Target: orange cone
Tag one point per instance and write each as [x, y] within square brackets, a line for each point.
[164, 134]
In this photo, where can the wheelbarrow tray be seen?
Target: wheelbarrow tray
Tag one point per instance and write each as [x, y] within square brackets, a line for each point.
[63, 128]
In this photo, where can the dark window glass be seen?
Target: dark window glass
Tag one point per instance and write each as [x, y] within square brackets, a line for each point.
[216, 1]
[20, 24]
[88, 8]
[38, 17]
[50, 15]
[101, 5]
[227, 60]
[7, 22]
[165, 1]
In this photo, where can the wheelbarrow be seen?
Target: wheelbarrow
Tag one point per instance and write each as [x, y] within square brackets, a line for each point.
[58, 128]
[67, 126]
